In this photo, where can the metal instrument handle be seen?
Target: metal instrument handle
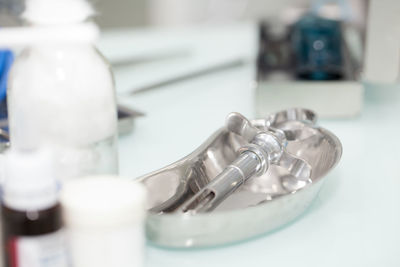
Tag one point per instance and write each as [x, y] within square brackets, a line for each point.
[233, 176]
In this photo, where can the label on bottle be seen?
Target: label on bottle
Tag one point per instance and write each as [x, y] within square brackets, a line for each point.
[38, 251]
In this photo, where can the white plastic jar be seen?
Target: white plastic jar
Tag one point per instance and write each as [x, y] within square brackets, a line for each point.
[104, 219]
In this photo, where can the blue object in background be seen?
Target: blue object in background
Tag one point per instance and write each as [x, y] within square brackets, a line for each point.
[317, 47]
[6, 60]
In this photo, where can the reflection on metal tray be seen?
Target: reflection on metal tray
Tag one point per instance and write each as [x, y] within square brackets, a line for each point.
[256, 206]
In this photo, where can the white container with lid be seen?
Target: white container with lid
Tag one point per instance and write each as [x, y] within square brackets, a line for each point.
[104, 217]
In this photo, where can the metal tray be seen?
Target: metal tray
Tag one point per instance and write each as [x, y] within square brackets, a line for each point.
[262, 204]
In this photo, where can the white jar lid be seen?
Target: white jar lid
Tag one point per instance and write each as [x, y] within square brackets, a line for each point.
[102, 201]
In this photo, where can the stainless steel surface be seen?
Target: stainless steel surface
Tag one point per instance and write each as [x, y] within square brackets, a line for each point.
[232, 177]
[261, 204]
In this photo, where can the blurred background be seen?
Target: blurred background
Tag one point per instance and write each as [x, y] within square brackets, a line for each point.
[138, 13]
[125, 13]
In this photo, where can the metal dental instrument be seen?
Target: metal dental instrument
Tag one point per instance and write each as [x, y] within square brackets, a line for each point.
[232, 64]
[265, 147]
[155, 57]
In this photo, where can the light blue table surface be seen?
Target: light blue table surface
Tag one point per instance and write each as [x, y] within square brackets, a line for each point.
[354, 221]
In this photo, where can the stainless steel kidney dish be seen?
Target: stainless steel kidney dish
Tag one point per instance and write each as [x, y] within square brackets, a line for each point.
[249, 178]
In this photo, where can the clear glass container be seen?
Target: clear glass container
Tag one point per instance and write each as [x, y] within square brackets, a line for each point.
[62, 96]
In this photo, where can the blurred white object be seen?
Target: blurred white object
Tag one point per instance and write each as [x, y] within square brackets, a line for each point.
[61, 92]
[382, 57]
[104, 217]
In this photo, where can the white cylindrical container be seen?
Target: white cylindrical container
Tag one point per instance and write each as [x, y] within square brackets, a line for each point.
[104, 218]
[61, 91]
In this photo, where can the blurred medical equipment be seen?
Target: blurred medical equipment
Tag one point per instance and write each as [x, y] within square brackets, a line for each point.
[317, 48]
[317, 69]
[327, 49]
[192, 75]
[217, 177]
[153, 57]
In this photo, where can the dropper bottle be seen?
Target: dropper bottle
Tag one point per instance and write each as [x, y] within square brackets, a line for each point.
[31, 215]
[61, 91]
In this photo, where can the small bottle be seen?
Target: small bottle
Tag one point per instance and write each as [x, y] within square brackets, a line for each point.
[104, 218]
[61, 91]
[31, 215]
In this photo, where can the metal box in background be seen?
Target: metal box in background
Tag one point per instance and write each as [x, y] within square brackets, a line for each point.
[279, 85]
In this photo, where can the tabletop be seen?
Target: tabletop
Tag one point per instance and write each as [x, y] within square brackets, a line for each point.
[355, 219]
